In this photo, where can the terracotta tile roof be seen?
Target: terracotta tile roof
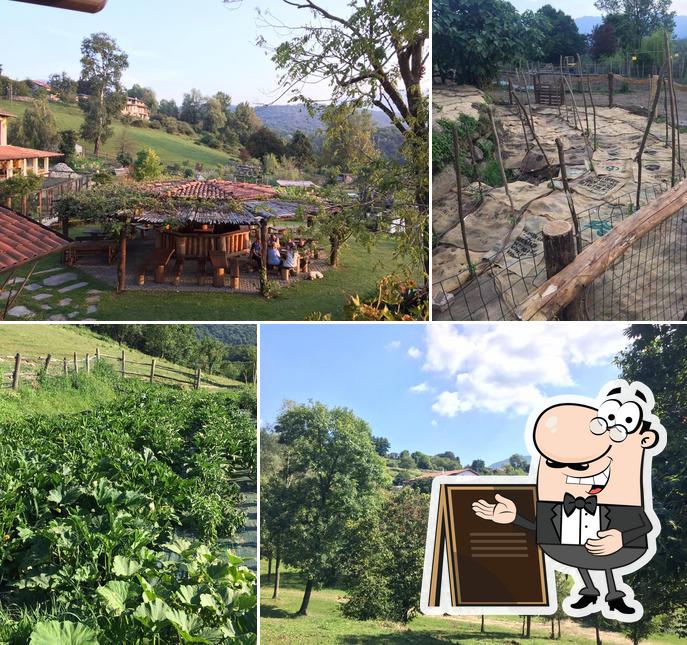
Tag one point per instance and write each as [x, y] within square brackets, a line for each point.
[214, 189]
[23, 240]
[3, 113]
[10, 153]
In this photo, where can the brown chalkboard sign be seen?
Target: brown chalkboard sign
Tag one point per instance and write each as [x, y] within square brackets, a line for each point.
[489, 564]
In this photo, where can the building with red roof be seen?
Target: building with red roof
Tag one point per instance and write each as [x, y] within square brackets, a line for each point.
[15, 160]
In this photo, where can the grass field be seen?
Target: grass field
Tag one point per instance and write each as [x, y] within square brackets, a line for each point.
[60, 341]
[325, 624]
[358, 273]
[172, 149]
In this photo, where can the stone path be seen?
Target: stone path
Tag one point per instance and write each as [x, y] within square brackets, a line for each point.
[46, 293]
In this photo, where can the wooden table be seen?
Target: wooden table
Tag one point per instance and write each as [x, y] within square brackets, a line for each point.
[220, 263]
[98, 247]
[157, 262]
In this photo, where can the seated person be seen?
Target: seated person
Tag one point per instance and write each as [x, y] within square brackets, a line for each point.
[273, 257]
[274, 239]
[256, 253]
[290, 259]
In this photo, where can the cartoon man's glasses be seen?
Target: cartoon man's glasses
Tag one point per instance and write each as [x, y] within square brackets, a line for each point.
[617, 419]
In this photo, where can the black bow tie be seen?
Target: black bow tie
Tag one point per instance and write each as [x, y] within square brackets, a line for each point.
[571, 504]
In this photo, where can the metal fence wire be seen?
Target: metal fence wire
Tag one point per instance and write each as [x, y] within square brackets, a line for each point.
[644, 284]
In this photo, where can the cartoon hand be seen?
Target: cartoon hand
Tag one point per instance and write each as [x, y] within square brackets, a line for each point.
[503, 512]
[609, 542]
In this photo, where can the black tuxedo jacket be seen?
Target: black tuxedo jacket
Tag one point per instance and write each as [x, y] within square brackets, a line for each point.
[631, 521]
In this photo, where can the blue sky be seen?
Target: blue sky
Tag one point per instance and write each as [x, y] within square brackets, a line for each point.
[580, 8]
[173, 45]
[465, 388]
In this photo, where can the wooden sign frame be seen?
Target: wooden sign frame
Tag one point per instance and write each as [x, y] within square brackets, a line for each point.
[446, 554]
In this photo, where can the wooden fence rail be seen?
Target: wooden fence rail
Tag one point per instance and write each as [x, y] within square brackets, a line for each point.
[563, 290]
[27, 369]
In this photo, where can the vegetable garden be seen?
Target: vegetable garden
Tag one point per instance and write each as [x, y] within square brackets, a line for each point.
[112, 521]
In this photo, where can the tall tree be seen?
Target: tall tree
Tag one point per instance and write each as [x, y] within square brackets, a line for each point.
[102, 66]
[263, 142]
[373, 54]
[658, 358]
[38, 128]
[348, 142]
[300, 149]
[169, 108]
[192, 106]
[643, 16]
[603, 41]
[245, 122]
[557, 34]
[331, 476]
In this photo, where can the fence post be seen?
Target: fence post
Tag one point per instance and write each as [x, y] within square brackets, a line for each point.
[47, 362]
[16, 375]
[64, 366]
[123, 365]
[97, 353]
[88, 363]
[152, 370]
[197, 384]
[559, 251]
[610, 89]
[76, 364]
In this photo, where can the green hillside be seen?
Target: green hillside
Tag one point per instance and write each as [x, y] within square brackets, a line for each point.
[173, 149]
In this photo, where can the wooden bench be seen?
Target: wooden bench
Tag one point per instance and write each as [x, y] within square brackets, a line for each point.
[220, 263]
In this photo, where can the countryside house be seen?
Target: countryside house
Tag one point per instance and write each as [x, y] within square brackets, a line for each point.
[136, 109]
[21, 161]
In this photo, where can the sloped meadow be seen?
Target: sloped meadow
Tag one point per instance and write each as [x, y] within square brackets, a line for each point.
[112, 521]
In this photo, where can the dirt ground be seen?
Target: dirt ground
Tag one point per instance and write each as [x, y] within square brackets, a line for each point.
[603, 182]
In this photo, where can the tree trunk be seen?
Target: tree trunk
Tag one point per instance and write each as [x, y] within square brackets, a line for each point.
[334, 253]
[303, 611]
[121, 272]
[481, 628]
[559, 629]
[529, 627]
[553, 628]
[596, 629]
[269, 568]
[277, 572]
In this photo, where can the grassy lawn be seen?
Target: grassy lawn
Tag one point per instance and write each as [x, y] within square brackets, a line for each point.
[60, 341]
[358, 273]
[326, 625]
[171, 148]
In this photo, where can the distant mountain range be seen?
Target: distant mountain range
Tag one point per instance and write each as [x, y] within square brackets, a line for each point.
[585, 24]
[286, 119]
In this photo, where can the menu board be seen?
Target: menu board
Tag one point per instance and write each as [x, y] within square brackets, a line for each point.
[488, 564]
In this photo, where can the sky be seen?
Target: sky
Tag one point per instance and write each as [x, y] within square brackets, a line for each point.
[432, 388]
[173, 45]
[579, 8]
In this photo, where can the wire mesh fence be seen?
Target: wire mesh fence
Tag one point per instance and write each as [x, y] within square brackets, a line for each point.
[505, 279]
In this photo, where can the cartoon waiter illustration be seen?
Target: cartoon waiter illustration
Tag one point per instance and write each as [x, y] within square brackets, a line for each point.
[593, 480]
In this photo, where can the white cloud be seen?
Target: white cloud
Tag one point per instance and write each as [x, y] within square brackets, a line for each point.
[503, 368]
[419, 388]
[414, 352]
[393, 345]
[434, 422]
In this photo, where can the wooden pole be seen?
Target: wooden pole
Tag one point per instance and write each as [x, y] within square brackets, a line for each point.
[672, 106]
[88, 363]
[47, 362]
[97, 353]
[665, 111]
[591, 100]
[76, 364]
[568, 195]
[152, 370]
[529, 103]
[587, 147]
[198, 378]
[559, 246]
[65, 367]
[121, 271]
[123, 364]
[584, 96]
[510, 91]
[490, 109]
[459, 193]
[640, 152]
[610, 89]
[534, 135]
[16, 375]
